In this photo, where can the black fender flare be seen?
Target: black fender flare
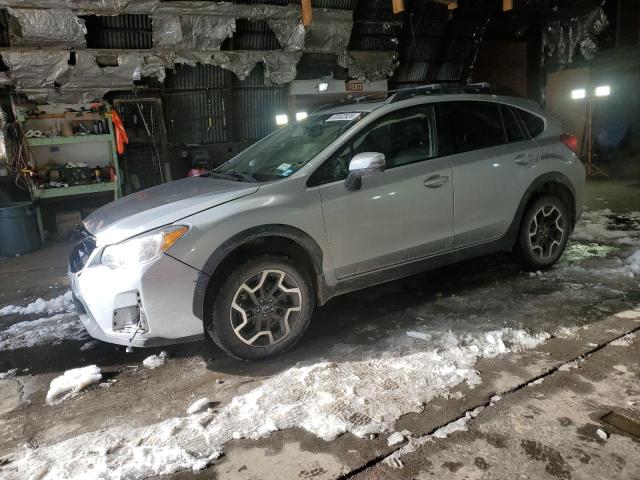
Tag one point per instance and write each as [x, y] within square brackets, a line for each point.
[550, 177]
[302, 238]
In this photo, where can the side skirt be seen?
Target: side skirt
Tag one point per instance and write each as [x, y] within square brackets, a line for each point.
[395, 272]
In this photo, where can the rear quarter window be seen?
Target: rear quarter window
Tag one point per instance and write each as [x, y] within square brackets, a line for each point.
[534, 124]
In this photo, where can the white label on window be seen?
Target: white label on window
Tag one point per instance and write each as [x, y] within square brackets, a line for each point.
[283, 167]
[343, 117]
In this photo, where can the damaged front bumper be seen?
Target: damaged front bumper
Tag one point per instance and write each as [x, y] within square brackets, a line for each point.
[141, 306]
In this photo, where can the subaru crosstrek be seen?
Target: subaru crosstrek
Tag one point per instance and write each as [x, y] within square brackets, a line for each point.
[352, 196]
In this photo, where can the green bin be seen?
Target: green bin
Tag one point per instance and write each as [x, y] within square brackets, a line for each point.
[18, 228]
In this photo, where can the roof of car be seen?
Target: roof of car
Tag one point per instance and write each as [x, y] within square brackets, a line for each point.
[429, 93]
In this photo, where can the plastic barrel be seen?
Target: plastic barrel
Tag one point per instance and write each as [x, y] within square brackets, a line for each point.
[18, 228]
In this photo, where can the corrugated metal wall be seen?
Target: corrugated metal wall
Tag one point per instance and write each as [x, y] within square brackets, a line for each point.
[119, 31]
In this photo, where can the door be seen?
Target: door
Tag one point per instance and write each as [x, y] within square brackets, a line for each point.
[493, 160]
[396, 216]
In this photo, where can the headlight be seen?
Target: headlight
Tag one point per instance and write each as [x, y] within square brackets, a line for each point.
[143, 248]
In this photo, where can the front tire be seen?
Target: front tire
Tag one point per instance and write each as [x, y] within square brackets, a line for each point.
[262, 309]
[544, 232]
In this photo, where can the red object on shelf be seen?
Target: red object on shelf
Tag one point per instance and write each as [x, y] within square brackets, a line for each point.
[121, 134]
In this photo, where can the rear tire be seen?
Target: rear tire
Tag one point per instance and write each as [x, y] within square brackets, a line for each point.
[544, 232]
[262, 308]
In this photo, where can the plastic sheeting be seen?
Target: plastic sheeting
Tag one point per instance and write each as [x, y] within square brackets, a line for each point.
[184, 25]
[57, 27]
[187, 32]
[290, 33]
[330, 31]
[87, 73]
[239, 62]
[192, 32]
[369, 66]
[562, 39]
[35, 69]
[280, 66]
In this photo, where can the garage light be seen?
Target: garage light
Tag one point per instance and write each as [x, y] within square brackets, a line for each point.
[301, 116]
[323, 86]
[282, 119]
[603, 91]
[578, 94]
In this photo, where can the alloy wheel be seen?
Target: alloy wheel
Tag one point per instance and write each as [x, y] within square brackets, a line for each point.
[546, 232]
[265, 308]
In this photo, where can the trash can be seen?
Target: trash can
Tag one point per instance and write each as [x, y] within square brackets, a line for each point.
[18, 228]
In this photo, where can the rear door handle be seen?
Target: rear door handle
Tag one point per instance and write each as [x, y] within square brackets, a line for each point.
[524, 159]
[436, 181]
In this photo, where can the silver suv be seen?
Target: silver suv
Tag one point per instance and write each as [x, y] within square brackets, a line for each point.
[352, 196]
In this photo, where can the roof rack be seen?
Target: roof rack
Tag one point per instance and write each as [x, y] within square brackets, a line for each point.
[438, 89]
[392, 96]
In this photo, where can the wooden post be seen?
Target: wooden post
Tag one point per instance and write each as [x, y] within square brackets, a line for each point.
[307, 14]
[589, 137]
[398, 6]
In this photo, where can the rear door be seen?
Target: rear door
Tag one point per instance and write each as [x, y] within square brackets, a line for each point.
[396, 216]
[493, 161]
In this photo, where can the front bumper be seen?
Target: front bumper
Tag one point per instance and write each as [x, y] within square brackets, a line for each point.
[141, 306]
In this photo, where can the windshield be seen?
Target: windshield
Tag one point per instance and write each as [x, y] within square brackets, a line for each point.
[288, 149]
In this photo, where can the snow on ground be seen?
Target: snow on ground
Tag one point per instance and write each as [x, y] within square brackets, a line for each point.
[61, 304]
[624, 341]
[8, 374]
[198, 406]
[362, 389]
[607, 226]
[71, 383]
[155, 361]
[43, 331]
[460, 425]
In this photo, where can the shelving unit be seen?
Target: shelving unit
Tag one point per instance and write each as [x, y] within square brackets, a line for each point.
[51, 141]
[39, 148]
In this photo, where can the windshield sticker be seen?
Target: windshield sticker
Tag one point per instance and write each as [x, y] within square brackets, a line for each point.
[283, 167]
[343, 117]
[287, 172]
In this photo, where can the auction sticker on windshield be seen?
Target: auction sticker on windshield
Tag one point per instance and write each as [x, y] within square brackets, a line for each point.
[343, 117]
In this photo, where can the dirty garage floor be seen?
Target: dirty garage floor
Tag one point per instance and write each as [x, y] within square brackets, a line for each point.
[544, 430]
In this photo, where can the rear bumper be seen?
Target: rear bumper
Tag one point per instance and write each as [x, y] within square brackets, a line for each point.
[141, 306]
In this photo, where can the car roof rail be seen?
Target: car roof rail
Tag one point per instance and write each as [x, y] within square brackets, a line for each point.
[438, 89]
[397, 95]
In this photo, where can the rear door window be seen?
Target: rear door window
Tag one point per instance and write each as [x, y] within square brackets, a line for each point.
[534, 124]
[470, 125]
[511, 125]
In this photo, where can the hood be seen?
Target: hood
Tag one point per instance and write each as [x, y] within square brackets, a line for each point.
[161, 205]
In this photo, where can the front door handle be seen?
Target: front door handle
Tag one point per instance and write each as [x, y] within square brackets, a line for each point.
[436, 181]
[524, 159]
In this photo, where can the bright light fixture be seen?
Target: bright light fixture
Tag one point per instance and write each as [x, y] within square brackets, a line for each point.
[603, 91]
[282, 119]
[323, 86]
[578, 94]
[301, 116]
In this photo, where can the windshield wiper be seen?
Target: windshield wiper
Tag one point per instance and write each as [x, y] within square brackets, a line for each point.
[236, 176]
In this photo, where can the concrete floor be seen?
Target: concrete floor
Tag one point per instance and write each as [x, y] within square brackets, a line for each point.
[546, 430]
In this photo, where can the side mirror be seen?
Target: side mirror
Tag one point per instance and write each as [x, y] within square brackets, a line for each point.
[363, 165]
